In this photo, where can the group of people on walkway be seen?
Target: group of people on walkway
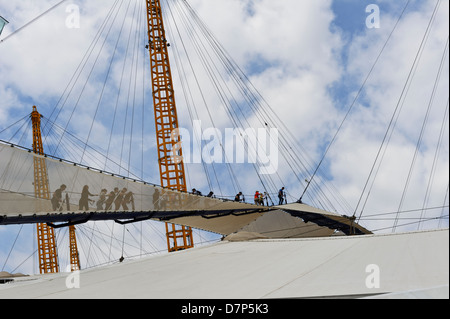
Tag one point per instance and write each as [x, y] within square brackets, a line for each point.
[262, 199]
[118, 198]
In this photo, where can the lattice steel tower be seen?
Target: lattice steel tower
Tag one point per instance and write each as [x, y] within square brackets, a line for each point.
[172, 171]
[48, 253]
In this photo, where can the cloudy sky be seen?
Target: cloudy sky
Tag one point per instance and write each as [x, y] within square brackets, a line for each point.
[85, 65]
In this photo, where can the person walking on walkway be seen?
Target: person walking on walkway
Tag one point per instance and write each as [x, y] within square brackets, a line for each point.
[281, 196]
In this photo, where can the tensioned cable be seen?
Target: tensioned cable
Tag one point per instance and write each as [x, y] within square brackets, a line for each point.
[135, 84]
[223, 89]
[195, 40]
[32, 21]
[132, 69]
[189, 100]
[91, 71]
[404, 212]
[419, 52]
[132, 54]
[394, 125]
[356, 98]
[397, 108]
[106, 78]
[443, 208]
[187, 92]
[433, 168]
[233, 178]
[413, 223]
[255, 99]
[119, 90]
[75, 140]
[12, 247]
[80, 68]
[216, 77]
[420, 139]
[17, 122]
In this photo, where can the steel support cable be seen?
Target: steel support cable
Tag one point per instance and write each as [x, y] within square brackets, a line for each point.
[76, 145]
[90, 238]
[100, 235]
[441, 133]
[287, 152]
[111, 241]
[397, 108]
[433, 167]
[119, 91]
[76, 75]
[12, 247]
[133, 69]
[69, 149]
[284, 148]
[199, 87]
[230, 109]
[123, 242]
[96, 233]
[190, 29]
[419, 142]
[99, 242]
[143, 111]
[418, 219]
[380, 162]
[83, 245]
[139, 243]
[443, 206]
[86, 245]
[418, 145]
[106, 76]
[90, 72]
[148, 241]
[254, 105]
[413, 223]
[111, 237]
[62, 250]
[85, 229]
[157, 231]
[24, 119]
[196, 40]
[24, 261]
[13, 165]
[234, 117]
[189, 100]
[22, 130]
[217, 79]
[356, 98]
[26, 132]
[80, 68]
[32, 21]
[404, 212]
[247, 86]
[228, 65]
[257, 97]
[137, 45]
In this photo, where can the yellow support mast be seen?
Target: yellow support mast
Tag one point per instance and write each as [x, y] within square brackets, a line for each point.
[74, 255]
[172, 172]
[48, 254]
